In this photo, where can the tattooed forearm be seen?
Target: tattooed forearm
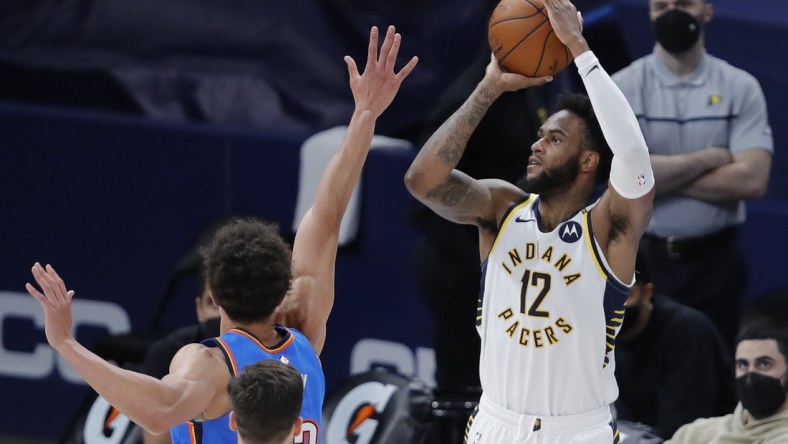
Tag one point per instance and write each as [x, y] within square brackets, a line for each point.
[455, 194]
[488, 96]
[456, 135]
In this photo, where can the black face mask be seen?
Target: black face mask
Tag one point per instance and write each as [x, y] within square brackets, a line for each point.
[761, 395]
[676, 31]
[631, 315]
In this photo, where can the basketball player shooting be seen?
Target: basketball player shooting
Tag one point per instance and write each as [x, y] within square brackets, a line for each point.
[556, 266]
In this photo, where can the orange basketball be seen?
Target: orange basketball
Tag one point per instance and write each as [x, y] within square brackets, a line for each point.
[523, 40]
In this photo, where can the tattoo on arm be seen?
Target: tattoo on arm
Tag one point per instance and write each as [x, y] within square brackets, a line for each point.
[454, 194]
[465, 124]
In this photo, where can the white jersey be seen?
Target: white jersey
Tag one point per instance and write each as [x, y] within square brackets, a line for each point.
[548, 315]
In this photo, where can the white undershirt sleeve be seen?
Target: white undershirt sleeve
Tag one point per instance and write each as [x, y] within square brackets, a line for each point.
[630, 173]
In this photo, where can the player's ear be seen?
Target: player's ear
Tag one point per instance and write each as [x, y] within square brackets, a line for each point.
[233, 424]
[589, 159]
[297, 426]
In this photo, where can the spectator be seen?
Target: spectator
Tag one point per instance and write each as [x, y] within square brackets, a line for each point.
[762, 413]
[706, 127]
[659, 384]
[160, 353]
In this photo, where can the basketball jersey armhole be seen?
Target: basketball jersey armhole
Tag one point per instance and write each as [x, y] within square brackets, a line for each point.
[599, 259]
[228, 358]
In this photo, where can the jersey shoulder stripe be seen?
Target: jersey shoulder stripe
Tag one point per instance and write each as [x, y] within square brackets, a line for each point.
[507, 218]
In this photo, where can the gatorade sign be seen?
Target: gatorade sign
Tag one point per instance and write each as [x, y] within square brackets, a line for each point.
[377, 407]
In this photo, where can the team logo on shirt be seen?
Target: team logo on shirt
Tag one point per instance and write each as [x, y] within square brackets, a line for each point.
[570, 232]
[715, 99]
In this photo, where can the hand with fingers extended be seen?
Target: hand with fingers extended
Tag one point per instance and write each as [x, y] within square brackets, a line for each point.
[374, 90]
[567, 23]
[508, 81]
[55, 300]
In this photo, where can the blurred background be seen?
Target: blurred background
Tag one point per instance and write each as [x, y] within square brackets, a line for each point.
[129, 128]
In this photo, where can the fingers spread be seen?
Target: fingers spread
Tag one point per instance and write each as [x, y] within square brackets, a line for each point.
[391, 58]
[35, 293]
[372, 49]
[407, 68]
[352, 69]
[388, 42]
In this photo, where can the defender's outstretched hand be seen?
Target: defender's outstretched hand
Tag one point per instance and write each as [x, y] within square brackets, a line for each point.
[55, 300]
[375, 89]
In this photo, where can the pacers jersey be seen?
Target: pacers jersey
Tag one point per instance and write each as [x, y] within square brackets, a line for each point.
[549, 310]
[240, 349]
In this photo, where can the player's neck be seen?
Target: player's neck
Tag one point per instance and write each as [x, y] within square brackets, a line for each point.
[681, 64]
[554, 209]
[263, 330]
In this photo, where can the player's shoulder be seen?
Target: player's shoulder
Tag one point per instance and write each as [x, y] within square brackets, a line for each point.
[503, 191]
[198, 354]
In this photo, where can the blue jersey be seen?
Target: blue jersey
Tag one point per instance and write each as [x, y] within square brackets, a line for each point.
[240, 349]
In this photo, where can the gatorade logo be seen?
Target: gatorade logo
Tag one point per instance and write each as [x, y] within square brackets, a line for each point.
[357, 415]
[105, 424]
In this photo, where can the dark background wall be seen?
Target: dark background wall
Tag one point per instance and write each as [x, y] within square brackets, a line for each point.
[126, 128]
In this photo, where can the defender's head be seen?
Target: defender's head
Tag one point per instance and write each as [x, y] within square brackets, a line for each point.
[247, 266]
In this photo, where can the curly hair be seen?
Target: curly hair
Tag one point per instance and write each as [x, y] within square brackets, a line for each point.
[266, 398]
[593, 139]
[247, 267]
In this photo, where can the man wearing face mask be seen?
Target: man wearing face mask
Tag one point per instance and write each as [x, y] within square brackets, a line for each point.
[762, 414]
[672, 366]
[706, 127]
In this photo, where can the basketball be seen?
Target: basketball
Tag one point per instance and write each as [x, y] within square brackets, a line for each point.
[523, 41]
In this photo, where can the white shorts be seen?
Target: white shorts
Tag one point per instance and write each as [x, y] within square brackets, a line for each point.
[493, 424]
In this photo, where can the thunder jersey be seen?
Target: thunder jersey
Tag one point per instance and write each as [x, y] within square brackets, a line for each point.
[240, 349]
[548, 314]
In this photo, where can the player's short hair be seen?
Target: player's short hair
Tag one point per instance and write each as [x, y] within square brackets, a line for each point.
[266, 400]
[247, 266]
[593, 139]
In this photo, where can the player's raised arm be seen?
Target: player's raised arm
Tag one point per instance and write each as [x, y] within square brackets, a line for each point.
[432, 177]
[309, 303]
[152, 404]
[625, 209]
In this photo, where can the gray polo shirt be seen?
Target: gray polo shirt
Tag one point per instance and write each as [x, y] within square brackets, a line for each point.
[718, 105]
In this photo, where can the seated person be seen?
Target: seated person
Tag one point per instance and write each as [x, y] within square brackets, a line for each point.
[672, 366]
[160, 353]
[762, 414]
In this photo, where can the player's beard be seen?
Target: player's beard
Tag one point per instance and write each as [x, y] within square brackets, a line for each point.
[552, 180]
